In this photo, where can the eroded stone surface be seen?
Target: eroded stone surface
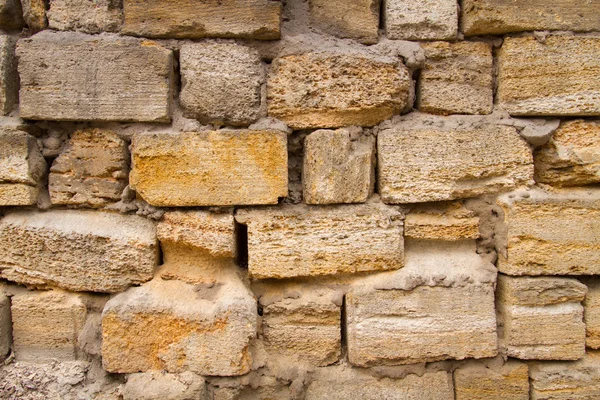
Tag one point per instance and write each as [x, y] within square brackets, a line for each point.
[5, 326]
[10, 15]
[9, 80]
[421, 20]
[85, 16]
[476, 381]
[440, 221]
[34, 13]
[591, 314]
[156, 385]
[357, 20]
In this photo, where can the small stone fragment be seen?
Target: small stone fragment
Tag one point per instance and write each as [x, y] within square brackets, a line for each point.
[5, 326]
[34, 13]
[10, 15]
[591, 314]
[441, 222]
[358, 19]
[476, 381]
[421, 20]
[157, 385]
[9, 79]
[85, 16]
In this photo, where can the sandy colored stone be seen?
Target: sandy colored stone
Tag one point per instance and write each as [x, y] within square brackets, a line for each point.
[34, 13]
[9, 80]
[68, 76]
[157, 385]
[493, 17]
[551, 233]
[77, 250]
[476, 381]
[299, 240]
[421, 20]
[222, 83]
[216, 168]
[46, 325]
[10, 15]
[457, 79]
[527, 76]
[5, 326]
[441, 221]
[572, 156]
[192, 19]
[87, 16]
[259, 387]
[591, 314]
[91, 171]
[336, 89]
[339, 167]
[357, 19]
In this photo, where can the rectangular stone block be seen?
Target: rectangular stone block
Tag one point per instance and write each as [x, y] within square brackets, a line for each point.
[421, 20]
[9, 79]
[358, 20]
[591, 313]
[217, 168]
[298, 240]
[68, 76]
[441, 222]
[156, 385]
[5, 326]
[11, 17]
[46, 325]
[477, 381]
[77, 250]
[192, 19]
[85, 16]
[527, 70]
[551, 233]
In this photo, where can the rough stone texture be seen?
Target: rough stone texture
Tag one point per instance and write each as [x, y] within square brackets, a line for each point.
[493, 17]
[552, 233]
[156, 385]
[34, 13]
[192, 19]
[9, 80]
[5, 326]
[85, 16]
[10, 15]
[262, 387]
[357, 20]
[476, 381]
[437, 221]
[439, 306]
[336, 89]
[77, 250]
[457, 78]
[222, 83]
[572, 156]
[22, 168]
[421, 163]
[46, 325]
[339, 167]
[591, 313]
[421, 20]
[527, 69]
[298, 240]
[219, 168]
[91, 171]
[71, 76]
[541, 317]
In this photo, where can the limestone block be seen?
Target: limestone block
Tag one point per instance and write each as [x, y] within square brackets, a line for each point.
[572, 156]
[9, 80]
[476, 381]
[260, 387]
[157, 385]
[85, 16]
[357, 20]
[457, 78]
[217, 168]
[70, 76]
[591, 306]
[46, 325]
[542, 317]
[418, 162]
[77, 250]
[551, 233]
[332, 90]
[439, 306]
[421, 20]
[10, 15]
[299, 240]
[34, 14]
[448, 221]
[91, 171]
[5, 326]
[339, 167]
[527, 69]
[221, 83]
[22, 168]
[192, 19]
[493, 17]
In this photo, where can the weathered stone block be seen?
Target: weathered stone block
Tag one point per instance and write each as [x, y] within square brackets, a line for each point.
[298, 240]
[219, 168]
[46, 325]
[9, 80]
[191, 19]
[34, 14]
[476, 381]
[156, 385]
[5, 326]
[222, 83]
[591, 314]
[357, 20]
[77, 250]
[69, 76]
[332, 90]
[339, 167]
[421, 20]
[10, 15]
[527, 69]
[441, 222]
[91, 171]
[85, 16]
[457, 78]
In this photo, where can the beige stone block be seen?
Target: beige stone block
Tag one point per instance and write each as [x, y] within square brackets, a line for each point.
[421, 20]
[551, 233]
[5, 326]
[332, 90]
[77, 250]
[34, 14]
[457, 78]
[216, 168]
[192, 19]
[46, 325]
[339, 167]
[10, 15]
[357, 19]
[70, 76]
[527, 71]
[157, 385]
[476, 381]
[441, 221]
[261, 387]
[9, 79]
[91, 171]
[591, 313]
[85, 16]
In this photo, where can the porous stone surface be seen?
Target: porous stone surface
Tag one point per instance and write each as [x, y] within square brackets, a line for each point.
[339, 167]
[449, 221]
[157, 385]
[422, 20]
[477, 381]
[222, 83]
[527, 83]
[11, 17]
[191, 19]
[5, 326]
[591, 313]
[213, 168]
[77, 250]
[9, 80]
[34, 14]
[69, 76]
[85, 16]
[357, 20]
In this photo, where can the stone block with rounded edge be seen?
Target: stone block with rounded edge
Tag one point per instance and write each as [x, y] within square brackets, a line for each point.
[157, 385]
[358, 20]
[478, 381]
[5, 325]
[421, 20]
[441, 221]
[34, 14]
[85, 16]
[11, 17]
[9, 79]
[591, 314]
